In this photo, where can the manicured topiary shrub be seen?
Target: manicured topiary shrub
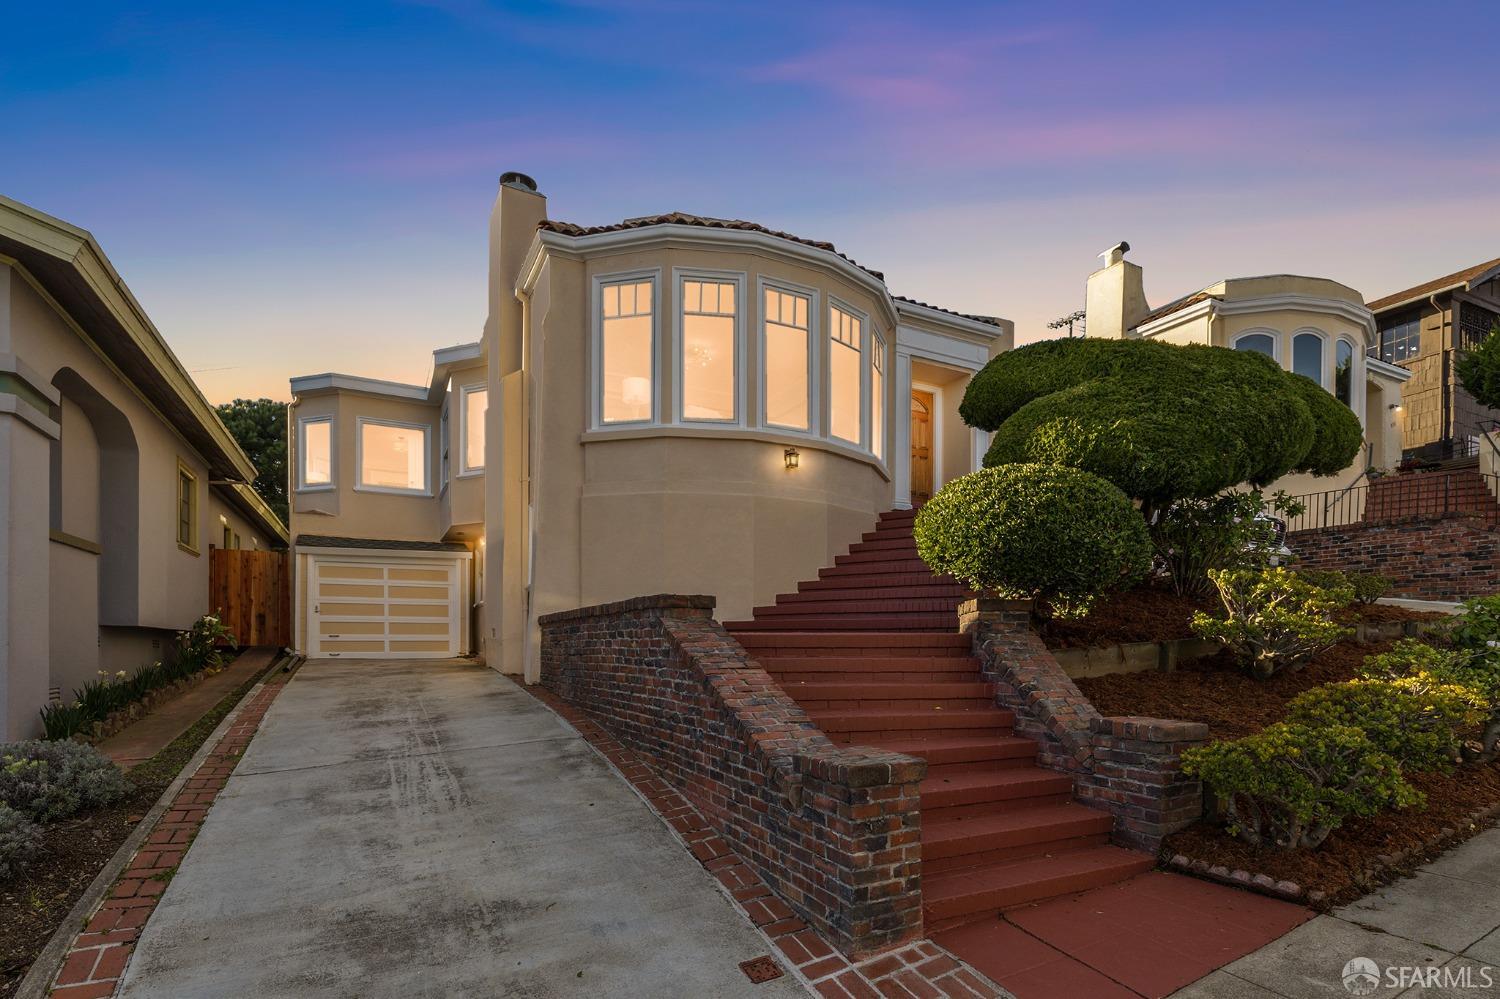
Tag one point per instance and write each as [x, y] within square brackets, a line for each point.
[1162, 422]
[1415, 719]
[1289, 785]
[1057, 535]
[20, 842]
[1273, 620]
[52, 780]
[1476, 671]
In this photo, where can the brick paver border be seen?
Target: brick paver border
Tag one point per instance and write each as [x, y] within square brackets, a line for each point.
[97, 958]
[920, 970]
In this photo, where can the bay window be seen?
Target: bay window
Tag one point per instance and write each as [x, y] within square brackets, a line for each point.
[787, 343]
[474, 401]
[627, 327]
[315, 451]
[845, 347]
[1259, 343]
[1343, 373]
[392, 457]
[877, 395]
[1307, 356]
[709, 353]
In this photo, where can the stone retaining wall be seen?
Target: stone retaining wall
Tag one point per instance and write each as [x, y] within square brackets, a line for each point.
[834, 831]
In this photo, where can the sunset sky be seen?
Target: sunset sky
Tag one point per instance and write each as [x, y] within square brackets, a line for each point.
[291, 188]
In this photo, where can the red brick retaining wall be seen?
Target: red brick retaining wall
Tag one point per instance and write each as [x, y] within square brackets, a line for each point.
[834, 831]
[1128, 766]
[1450, 558]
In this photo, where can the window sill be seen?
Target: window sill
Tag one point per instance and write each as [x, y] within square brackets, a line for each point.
[189, 549]
[785, 438]
[330, 487]
[74, 541]
[385, 491]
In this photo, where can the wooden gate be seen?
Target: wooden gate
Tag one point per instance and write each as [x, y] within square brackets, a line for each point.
[251, 591]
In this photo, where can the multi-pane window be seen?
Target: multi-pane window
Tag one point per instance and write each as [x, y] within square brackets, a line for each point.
[877, 395]
[317, 453]
[392, 456]
[1307, 356]
[1343, 373]
[1260, 343]
[845, 346]
[1401, 341]
[474, 402]
[187, 508]
[626, 375]
[788, 338]
[708, 350]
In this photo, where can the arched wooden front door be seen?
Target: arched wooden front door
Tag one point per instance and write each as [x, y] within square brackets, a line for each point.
[921, 447]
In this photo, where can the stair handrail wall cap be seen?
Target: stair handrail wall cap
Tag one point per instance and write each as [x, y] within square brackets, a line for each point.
[1165, 730]
[987, 613]
[696, 604]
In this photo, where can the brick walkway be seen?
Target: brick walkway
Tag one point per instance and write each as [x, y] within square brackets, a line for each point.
[922, 969]
[96, 962]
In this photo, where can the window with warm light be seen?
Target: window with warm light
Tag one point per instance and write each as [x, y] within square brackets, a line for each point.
[317, 453]
[627, 385]
[877, 395]
[709, 350]
[788, 359]
[474, 402]
[845, 347]
[1307, 356]
[392, 456]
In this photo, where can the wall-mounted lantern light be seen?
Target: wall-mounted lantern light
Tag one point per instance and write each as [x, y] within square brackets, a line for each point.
[793, 457]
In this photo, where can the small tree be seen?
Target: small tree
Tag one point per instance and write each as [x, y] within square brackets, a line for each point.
[1059, 536]
[1273, 620]
[259, 426]
[1479, 370]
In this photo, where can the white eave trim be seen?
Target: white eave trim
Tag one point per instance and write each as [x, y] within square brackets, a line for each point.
[1188, 314]
[457, 354]
[1455, 286]
[1385, 369]
[1357, 314]
[331, 381]
[930, 314]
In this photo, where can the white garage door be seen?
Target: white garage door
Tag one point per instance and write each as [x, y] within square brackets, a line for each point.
[399, 609]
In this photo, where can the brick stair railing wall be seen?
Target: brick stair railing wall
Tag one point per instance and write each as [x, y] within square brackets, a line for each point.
[1129, 766]
[1450, 558]
[834, 831]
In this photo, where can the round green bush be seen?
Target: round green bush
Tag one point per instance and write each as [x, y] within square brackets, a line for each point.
[1162, 422]
[53, 780]
[1053, 534]
[20, 842]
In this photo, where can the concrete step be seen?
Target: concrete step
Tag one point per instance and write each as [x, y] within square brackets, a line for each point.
[868, 669]
[874, 644]
[847, 622]
[858, 726]
[964, 754]
[956, 844]
[908, 696]
[896, 604]
[951, 797]
[956, 897]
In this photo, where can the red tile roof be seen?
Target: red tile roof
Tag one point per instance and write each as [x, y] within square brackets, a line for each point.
[1444, 283]
[1175, 306]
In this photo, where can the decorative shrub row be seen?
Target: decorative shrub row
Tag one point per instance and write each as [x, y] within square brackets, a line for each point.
[197, 650]
[43, 781]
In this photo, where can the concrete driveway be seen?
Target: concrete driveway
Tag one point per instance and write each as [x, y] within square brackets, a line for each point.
[428, 829]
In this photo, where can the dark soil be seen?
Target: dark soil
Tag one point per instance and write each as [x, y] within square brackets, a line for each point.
[1340, 867]
[33, 905]
[1155, 614]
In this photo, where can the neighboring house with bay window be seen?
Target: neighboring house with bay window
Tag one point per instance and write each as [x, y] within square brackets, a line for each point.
[670, 403]
[1313, 326]
[116, 475]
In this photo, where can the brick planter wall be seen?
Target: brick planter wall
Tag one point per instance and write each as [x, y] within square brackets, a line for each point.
[834, 831]
[1129, 766]
[1450, 558]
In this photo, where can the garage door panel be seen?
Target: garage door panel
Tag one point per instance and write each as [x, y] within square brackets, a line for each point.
[385, 609]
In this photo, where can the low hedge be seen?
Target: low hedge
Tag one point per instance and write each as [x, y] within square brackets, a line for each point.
[1419, 722]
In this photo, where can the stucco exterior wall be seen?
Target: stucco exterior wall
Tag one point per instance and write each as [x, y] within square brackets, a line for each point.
[251, 537]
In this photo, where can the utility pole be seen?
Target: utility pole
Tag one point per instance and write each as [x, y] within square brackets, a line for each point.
[1071, 320]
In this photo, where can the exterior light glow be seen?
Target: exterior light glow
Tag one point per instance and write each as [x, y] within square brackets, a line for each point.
[793, 457]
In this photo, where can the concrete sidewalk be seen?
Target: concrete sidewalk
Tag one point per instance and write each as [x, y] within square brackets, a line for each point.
[427, 829]
[1443, 924]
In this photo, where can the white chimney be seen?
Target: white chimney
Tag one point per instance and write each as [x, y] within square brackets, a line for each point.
[1116, 299]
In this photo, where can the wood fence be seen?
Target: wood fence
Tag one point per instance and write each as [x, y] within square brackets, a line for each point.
[251, 591]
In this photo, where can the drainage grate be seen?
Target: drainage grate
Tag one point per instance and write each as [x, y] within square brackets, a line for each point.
[761, 969]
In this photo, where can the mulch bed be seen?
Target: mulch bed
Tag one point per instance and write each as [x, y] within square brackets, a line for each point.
[1357, 857]
[34, 904]
[1154, 613]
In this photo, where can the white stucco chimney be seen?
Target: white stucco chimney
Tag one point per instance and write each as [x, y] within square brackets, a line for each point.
[1116, 299]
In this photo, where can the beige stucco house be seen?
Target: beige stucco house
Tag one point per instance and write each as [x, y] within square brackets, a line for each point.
[116, 476]
[670, 403]
[1310, 325]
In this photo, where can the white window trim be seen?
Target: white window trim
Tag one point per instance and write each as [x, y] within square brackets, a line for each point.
[814, 355]
[885, 385]
[1275, 335]
[596, 346]
[359, 457]
[333, 452]
[465, 470]
[834, 302]
[445, 451]
[1325, 351]
[680, 276]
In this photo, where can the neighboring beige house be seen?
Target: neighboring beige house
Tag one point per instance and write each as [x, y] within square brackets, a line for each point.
[116, 476]
[1425, 329]
[671, 403]
[1313, 326]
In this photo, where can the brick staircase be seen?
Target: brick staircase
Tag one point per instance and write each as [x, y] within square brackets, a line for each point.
[1454, 490]
[870, 650]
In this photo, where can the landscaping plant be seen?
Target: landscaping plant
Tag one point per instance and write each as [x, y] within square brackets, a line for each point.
[1274, 620]
[199, 646]
[1474, 670]
[1478, 625]
[52, 780]
[1479, 369]
[20, 842]
[1194, 536]
[62, 721]
[1418, 720]
[1290, 785]
[1058, 536]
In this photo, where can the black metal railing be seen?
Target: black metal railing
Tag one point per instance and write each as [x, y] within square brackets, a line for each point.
[1412, 496]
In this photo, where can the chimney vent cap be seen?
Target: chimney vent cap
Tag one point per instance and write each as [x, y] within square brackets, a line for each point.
[514, 178]
[1115, 253]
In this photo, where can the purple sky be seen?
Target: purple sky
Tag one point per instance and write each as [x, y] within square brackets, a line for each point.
[294, 188]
